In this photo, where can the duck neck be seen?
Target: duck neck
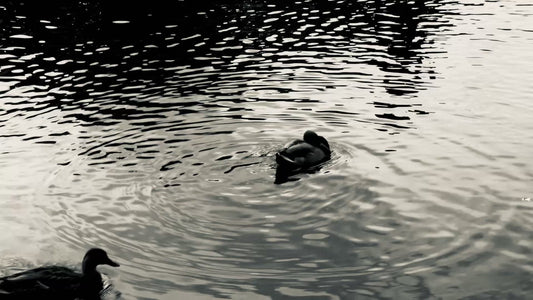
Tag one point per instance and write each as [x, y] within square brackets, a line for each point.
[88, 267]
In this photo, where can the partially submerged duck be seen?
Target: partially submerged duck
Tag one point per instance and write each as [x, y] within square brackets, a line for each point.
[303, 155]
[55, 282]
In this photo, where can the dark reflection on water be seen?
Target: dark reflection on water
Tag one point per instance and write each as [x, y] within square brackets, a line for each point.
[222, 50]
[102, 64]
[149, 130]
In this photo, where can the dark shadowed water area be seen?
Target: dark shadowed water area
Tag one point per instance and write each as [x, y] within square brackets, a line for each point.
[149, 130]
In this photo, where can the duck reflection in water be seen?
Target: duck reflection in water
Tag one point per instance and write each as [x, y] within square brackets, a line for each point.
[300, 156]
[58, 283]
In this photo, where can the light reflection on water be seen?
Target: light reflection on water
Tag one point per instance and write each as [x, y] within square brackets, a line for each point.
[152, 136]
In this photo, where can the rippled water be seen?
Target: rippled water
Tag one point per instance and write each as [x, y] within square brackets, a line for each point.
[149, 130]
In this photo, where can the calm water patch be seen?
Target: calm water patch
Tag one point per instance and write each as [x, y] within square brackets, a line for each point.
[150, 130]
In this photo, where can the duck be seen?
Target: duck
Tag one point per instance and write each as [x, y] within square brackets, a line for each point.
[57, 282]
[303, 155]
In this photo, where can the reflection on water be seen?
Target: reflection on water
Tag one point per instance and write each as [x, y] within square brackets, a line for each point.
[150, 130]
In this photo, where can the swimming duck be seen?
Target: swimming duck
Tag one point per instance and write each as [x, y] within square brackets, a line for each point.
[301, 155]
[55, 282]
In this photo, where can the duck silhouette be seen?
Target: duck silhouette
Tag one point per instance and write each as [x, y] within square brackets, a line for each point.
[302, 155]
[56, 282]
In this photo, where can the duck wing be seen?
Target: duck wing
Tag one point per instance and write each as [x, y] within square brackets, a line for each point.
[53, 280]
[299, 155]
[292, 143]
[300, 150]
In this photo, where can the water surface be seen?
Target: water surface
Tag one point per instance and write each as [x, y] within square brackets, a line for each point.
[150, 130]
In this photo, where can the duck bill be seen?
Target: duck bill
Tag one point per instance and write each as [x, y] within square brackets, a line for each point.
[111, 263]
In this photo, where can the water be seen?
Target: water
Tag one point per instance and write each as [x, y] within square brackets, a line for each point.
[149, 130]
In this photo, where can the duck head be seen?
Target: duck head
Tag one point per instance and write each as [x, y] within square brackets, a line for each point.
[316, 140]
[311, 137]
[95, 257]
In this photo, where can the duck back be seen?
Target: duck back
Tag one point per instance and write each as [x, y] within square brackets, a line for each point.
[304, 154]
[54, 282]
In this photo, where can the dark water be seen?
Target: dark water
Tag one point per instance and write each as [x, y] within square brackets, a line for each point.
[149, 130]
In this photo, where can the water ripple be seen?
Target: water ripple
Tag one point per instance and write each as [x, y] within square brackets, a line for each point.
[154, 137]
